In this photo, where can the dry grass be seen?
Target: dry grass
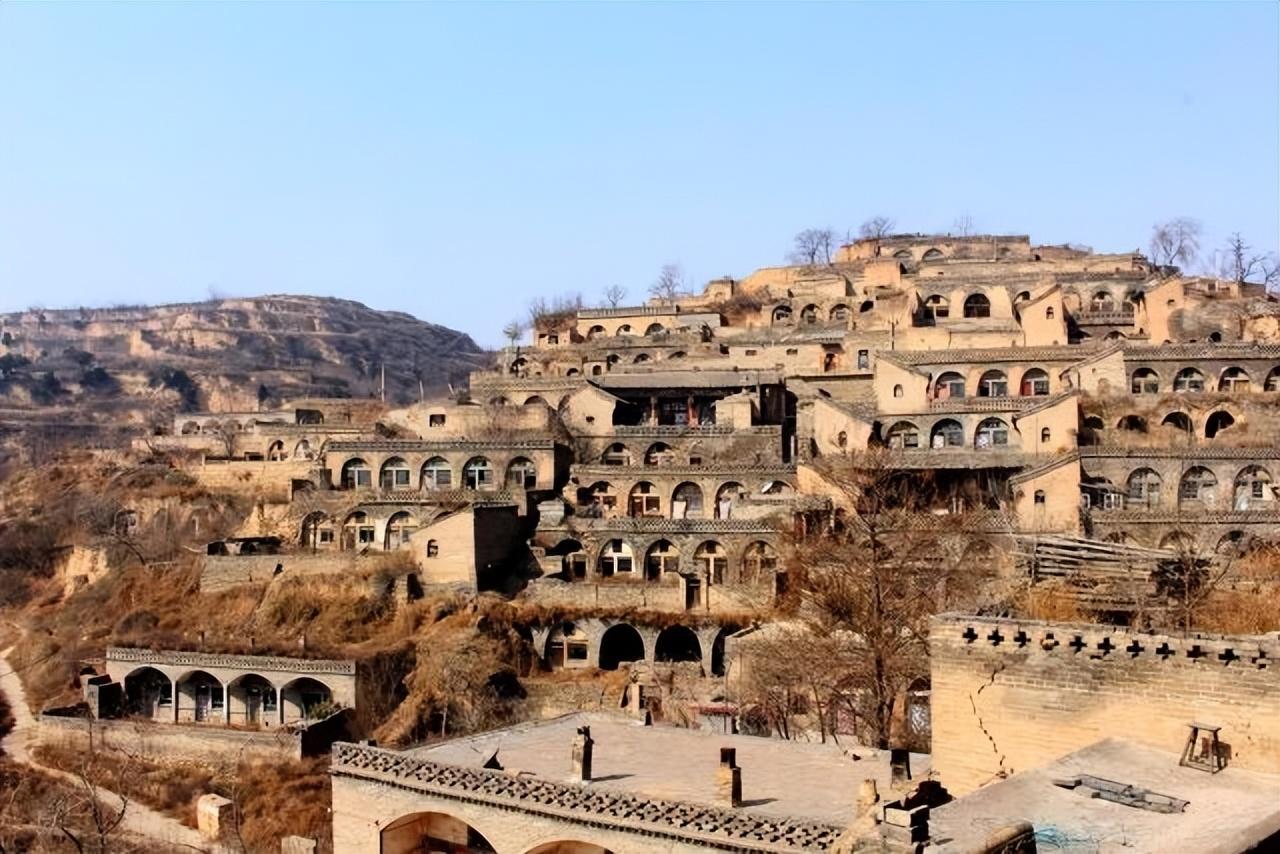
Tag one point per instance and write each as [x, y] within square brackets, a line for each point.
[274, 799]
[1049, 602]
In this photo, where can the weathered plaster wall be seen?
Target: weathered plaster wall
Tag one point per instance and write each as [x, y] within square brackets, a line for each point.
[1008, 695]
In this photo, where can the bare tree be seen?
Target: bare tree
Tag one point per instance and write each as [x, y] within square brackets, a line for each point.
[1241, 264]
[877, 226]
[669, 286]
[963, 226]
[1176, 242]
[614, 295]
[870, 581]
[512, 332]
[813, 247]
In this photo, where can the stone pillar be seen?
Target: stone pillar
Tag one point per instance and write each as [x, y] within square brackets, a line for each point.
[868, 797]
[582, 745]
[729, 778]
[213, 815]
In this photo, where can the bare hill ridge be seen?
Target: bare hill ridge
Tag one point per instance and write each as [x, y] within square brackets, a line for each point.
[228, 354]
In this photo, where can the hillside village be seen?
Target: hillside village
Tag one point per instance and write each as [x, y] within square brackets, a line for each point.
[944, 543]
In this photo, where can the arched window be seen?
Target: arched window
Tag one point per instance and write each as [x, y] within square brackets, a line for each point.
[625, 329]
[598, 500]
[356, 474]
[1253, 490]
[726, 495]
[949, 386]
[616, 455]
[663, 558]
[947, 434]
[1145, 381]
[616, 557]
[275, 451]
[897, 390]
[395, 474]
[904, 436]
[676, 356]
[839, 313]
[991, 433]
[1188, 379]
[903, 255]
[433, 548]
[302, 450]
[1234, 381]
[937, 307]
[759, 561]
[659, 454]
[1217, 422]
[1178, 420]
[932, 255]
[644, 500]
[677, 643]
[1044, 435]
[654, 329]
[1035, 383]
[1023, 296]
[777, 487]
[1048, 313]
[477, 474]
[842, 439]
[866, 306]
[712, 561]
[782, 314]
[400, 528]
[640, 359]
[522, 474]
[1133, 423]
[1273, 380]
[1039, 497]
[536, 400]
[691, 495]
[809, 314]
[977, 305]
[1144, 488]
[1102, 301]
[437, 474]
[595, 332]
[993, 384]
[1198, 486]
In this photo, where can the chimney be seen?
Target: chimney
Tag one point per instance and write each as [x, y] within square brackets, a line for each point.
[902, 828]
[582, 755]
[729, 778]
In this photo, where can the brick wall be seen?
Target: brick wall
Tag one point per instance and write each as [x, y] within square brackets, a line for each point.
[1008, 695]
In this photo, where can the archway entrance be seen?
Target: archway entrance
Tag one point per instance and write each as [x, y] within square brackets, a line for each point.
[620, 643]
[432, 831]
[678, 643]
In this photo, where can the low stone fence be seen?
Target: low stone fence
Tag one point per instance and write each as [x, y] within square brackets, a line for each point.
[169, 743]
[222, 572]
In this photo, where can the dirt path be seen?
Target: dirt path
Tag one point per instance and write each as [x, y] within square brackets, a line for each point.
[139, 819]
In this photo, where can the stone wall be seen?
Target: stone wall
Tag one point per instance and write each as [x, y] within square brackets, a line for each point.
[222, 572]
[1008, 695]
[195, 743]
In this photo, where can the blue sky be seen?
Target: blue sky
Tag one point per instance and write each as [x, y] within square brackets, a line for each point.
[455, 160]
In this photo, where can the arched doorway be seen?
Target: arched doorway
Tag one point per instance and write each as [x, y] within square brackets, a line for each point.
[677, 643]
[252, 700]
[568, 846]
[305, 699]
[718, 650]
[434, 832]
[620, 643]
[200, 697]
[148, 693]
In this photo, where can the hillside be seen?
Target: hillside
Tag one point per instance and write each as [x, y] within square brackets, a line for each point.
[130, 364]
